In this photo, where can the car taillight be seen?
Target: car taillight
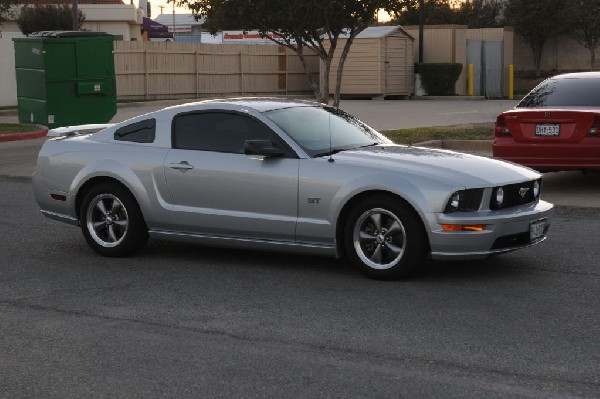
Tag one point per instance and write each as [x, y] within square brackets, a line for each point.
[501, 128]
[595, 129]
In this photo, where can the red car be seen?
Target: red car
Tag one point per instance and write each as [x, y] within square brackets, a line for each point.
[555, 127]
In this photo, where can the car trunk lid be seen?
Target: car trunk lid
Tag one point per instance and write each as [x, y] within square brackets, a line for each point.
[549, 125]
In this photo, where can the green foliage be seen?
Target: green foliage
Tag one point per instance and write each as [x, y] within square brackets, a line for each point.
[46, 18]
[473, 13]
[5, 10]
[7, 128]
[482, 131]
[582, 18]
[480, 13]
[439, 78]
[536, 21]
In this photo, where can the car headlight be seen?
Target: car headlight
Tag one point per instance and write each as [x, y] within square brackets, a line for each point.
[464, 201]
[536, 188]
[499, 197]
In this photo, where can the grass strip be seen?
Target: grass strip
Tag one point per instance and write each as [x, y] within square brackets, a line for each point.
[6, 128]
[480, 131]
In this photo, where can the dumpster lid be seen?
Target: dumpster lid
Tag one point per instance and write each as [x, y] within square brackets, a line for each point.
[61, 33]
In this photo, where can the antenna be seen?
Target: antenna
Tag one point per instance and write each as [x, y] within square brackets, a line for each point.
[330, 145]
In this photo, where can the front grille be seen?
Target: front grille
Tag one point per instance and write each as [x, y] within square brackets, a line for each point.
[514, 195]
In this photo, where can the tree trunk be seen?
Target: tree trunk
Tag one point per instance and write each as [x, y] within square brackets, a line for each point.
[537, 57]
[325, 80]
[311, 79]
[340, 72]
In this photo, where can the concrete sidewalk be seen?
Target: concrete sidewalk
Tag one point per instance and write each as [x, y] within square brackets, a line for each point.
[382, 115]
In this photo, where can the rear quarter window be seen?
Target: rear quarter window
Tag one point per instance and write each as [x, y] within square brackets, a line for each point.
[138, 132]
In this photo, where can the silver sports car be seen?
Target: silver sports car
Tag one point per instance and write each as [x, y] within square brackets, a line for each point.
[275, 174]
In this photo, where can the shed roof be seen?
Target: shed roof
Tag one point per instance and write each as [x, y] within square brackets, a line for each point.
[373, 32]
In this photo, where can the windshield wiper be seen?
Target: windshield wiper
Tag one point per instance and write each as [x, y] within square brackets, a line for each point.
[330, 152]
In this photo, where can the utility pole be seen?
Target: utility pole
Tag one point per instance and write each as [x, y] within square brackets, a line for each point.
[75, 15]
[421, 23]
[161, 8]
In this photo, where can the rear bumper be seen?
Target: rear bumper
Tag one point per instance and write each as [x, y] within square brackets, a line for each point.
[584, 155]
[506, 230]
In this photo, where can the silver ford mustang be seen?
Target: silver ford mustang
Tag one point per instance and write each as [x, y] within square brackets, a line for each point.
[284, 175]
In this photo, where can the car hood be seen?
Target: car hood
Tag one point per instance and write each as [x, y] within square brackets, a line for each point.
[463, 169]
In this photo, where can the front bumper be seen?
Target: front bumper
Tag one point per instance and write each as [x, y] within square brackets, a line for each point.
[506, 230]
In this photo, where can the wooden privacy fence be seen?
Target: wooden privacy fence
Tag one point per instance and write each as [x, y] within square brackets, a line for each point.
[168, 70]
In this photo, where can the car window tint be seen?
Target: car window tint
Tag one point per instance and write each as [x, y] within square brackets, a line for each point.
[138, 132]
[569, 92]
[217, 131]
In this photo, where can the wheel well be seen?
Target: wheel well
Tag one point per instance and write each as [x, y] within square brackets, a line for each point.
[93, 182]
[341, 220]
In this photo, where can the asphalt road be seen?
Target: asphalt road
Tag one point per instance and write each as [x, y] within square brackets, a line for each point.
[186, 321]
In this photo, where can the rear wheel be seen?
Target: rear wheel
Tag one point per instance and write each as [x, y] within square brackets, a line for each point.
[111, 221]
[384, 238]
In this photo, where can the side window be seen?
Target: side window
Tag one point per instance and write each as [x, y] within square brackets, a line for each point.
[217, 131]
[139, 132]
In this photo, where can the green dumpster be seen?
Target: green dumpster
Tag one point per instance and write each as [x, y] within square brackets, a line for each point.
[65, 78]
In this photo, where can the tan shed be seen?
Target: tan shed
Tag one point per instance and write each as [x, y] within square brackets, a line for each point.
[380, 63]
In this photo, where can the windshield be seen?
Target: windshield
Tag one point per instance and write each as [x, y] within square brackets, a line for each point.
[574, 92]
[324, 130]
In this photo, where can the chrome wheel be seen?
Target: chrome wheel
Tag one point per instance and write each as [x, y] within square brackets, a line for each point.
[106, 220]
[379, 239]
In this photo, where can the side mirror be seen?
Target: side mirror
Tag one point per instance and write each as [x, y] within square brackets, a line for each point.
[262, 147]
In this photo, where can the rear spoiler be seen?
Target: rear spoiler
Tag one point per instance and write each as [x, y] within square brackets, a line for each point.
[77, 130]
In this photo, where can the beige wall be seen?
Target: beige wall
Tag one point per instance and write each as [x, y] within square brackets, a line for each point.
[8, 82]
[443, 43]
[559, 55]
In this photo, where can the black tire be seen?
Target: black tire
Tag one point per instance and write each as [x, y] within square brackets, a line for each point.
[111, 221]
[384, 238]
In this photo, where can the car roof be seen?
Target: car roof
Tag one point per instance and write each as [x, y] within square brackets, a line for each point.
[260, 104]
[578, 75]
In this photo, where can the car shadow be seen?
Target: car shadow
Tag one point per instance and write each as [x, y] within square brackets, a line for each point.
[183, 253]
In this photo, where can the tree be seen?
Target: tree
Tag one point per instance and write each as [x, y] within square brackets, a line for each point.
[480, 13]
[435, 12]
[535, 21]
[584, 23]
[473, 13]
[5, 10]
[46, 17]
[316, 25]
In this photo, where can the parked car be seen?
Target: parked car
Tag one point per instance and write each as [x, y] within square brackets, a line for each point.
[284, 175]
[555, 127]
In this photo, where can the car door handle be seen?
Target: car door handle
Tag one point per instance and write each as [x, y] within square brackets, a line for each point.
[181, 166]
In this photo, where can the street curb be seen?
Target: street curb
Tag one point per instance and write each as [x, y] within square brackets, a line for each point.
[459, 145]
[24, 136]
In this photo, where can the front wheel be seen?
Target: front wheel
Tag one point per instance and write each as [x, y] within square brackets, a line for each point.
[384, 238]
[111, 221]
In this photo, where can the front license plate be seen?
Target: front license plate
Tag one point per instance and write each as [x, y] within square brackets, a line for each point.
[536, 229]
[547, 129]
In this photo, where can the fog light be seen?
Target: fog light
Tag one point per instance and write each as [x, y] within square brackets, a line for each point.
[464, 227]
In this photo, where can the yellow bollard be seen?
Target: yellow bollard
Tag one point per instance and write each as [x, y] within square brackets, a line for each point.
[511, 82]
[471, 80]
